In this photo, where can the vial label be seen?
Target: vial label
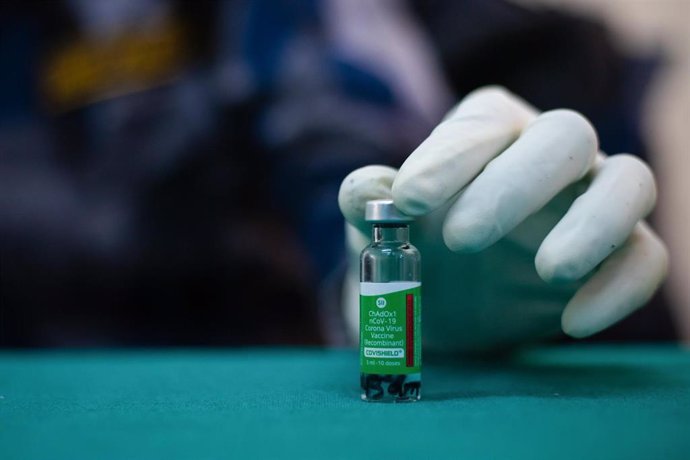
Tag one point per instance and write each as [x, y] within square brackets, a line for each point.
[390, 335]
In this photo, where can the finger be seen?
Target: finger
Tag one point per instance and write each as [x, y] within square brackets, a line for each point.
[622, 193]
[625, 282]
[473, 133]
[361, 185]
[555, 150]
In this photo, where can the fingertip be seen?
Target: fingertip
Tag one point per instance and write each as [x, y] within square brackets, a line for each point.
[574, 327]
[580, 129]
[556, 265]
[490, 91]
[361, 185]
[634, 169]
[545, 264]
[414, 196]
[582, 318]
[585, 317]
[575, 123]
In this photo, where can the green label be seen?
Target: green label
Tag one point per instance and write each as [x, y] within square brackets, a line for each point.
[390, 332]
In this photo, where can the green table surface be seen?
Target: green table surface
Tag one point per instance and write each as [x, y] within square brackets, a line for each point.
[584, 402]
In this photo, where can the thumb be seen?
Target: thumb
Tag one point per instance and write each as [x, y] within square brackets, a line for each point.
[361, 185]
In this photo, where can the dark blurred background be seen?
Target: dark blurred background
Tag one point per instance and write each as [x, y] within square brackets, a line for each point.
[169, 169]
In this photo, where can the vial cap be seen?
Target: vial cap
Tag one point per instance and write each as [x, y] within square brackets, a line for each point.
[384, 211]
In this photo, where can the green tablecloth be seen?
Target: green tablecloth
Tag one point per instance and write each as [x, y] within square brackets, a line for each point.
[569, 402]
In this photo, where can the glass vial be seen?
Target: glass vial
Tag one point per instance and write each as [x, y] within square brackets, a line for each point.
[390, 346]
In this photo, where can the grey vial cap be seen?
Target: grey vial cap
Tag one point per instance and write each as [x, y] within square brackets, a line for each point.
[385, 212]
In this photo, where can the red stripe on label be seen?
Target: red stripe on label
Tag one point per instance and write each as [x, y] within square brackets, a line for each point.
[409, 352]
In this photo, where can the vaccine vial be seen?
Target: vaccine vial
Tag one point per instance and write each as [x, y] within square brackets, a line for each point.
[390, 346]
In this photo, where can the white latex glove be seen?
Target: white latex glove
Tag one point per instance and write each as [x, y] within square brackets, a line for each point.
[523, 226]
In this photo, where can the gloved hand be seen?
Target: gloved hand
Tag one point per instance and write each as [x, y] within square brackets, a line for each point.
[523, 226]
